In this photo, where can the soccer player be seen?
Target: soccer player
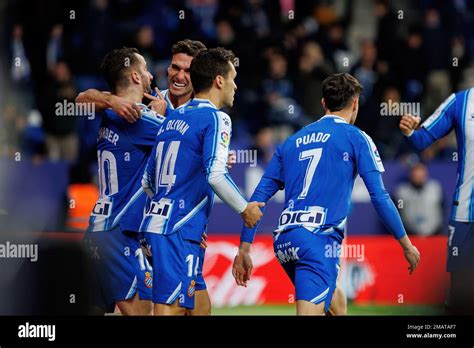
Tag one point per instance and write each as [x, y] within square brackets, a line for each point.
[317, 167]
[123, 273]
[188, 164]
[178, 94]
[456, 112]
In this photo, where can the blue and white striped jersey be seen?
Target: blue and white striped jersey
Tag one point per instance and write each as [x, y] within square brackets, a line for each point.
[188, 163]
[122, 150]
[456, 112]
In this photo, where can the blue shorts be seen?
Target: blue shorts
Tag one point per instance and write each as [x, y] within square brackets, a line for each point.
[311, 261]
[176, 262]
[121, 266]
[460, 246]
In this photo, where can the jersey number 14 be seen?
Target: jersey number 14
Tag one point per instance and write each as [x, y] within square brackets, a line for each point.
[165, 172]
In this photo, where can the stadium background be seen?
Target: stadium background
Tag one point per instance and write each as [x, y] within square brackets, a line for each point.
[401, 51]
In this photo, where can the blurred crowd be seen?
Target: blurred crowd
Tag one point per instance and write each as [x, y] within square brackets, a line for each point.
[401, 51]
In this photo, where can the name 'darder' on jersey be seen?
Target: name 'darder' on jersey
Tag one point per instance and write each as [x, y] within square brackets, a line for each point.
[109, 135]
[177, 125]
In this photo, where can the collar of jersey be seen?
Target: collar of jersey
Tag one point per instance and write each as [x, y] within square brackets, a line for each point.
[333, 116]
[202, 101]
[165, 93]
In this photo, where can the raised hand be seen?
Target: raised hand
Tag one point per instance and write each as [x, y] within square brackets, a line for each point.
[158, 103]
[409, 123]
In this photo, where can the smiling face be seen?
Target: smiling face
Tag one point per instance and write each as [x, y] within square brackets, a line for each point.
[179, 79]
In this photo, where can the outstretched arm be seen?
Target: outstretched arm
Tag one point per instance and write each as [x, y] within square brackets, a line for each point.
[271, 182]
[216, 153]
[387, 211]
[104, 100]
[435, 127]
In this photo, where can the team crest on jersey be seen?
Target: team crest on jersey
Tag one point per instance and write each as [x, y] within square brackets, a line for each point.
[225, 138]
[148, 280]
[191, 288]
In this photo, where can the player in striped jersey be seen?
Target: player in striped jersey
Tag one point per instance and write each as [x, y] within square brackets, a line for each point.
[188, 164]
[456, 112]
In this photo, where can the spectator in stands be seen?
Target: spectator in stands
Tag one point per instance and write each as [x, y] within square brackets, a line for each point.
[412, 65]
[278, 91]
[9, 130]
[61, 138]
[420, 202]
[387, 38]
[20, 71]
[54, 50]
[312, 70]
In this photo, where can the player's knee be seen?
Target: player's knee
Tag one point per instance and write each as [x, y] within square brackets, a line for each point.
[309, 308]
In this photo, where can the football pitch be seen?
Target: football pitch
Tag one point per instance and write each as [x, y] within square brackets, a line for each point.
[351, 310]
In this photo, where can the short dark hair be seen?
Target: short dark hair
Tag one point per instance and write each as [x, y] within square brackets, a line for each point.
[207, 65]
[116, 63]
[339, 89]
[189, 47]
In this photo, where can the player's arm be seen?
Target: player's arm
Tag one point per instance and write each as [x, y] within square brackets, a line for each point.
[370, 167]
[389, 215]
[271, 182]
[105, 100]
[435, 127]
[216, 153]
[148, 179]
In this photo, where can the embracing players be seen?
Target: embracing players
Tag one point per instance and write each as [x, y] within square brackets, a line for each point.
[188, 164]
[317, 167]
[179, 93]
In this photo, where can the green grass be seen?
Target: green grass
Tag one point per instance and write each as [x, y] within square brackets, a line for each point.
[351, 310]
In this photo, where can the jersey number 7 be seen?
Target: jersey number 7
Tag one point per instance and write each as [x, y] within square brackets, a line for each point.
[314, 156]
